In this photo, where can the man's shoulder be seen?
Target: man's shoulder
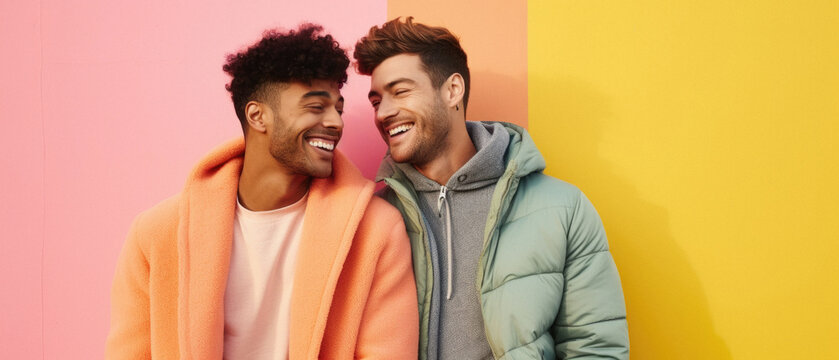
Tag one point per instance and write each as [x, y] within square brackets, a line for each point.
[163, 211]
[380, 227]
[382, 212]
[547, 190]
[158, 222]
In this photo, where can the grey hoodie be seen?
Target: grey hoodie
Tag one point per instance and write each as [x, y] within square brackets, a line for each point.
[456, 215]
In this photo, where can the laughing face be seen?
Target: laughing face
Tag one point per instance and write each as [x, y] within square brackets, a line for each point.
[410, 113]
[306, 127]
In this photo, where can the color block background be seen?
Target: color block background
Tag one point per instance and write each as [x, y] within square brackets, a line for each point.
[705, 134]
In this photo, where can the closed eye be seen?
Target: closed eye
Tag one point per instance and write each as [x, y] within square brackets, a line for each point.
[315, 108]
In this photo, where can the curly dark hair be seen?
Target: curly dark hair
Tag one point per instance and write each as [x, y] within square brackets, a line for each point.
[437, 47]
[283, 57]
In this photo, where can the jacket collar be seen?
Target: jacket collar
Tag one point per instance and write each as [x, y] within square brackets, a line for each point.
[334, 209]
[522, 157]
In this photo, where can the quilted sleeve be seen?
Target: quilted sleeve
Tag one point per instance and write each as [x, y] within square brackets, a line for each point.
[592, 318]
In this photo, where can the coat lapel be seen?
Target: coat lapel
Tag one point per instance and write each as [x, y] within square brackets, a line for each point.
[204, 244]
[333, 212]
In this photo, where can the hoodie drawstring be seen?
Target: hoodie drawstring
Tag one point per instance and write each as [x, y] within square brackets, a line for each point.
[440, 201]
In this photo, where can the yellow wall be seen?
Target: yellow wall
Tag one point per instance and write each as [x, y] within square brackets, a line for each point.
[705, 132]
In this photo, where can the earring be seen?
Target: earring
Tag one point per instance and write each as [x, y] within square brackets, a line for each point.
[456, 108]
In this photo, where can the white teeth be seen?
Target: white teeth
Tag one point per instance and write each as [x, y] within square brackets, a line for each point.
[322, 145]
[400, 128]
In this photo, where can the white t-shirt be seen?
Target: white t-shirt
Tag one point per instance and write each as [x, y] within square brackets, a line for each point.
[256, 302]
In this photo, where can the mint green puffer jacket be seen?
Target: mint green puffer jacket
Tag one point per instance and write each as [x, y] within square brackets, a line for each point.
[548, 286]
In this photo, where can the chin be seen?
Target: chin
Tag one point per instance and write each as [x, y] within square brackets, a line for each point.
[323, 172]
[400, 156]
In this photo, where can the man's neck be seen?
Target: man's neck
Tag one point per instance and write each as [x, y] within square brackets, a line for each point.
[263, 185]
[457, 152]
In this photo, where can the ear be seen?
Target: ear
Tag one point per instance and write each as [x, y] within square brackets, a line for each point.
[453, 90]
[257, 114]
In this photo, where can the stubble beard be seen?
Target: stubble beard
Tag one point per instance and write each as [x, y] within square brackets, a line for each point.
[431, 143]
[288, 153]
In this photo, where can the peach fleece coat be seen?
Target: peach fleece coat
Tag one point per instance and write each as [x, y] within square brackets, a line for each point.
[353, 294]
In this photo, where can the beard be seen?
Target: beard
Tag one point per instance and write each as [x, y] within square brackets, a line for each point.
[431, 138]
[292, 153]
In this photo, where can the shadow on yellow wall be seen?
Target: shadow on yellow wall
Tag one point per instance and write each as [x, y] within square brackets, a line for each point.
[706, 134]
[667, 308]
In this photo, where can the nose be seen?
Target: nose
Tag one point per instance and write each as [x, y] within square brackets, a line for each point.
[333, 120]
[385, 110]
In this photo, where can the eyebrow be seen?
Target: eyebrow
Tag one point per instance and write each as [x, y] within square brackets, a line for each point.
[390, 85]
[325, 94]
[317, 94]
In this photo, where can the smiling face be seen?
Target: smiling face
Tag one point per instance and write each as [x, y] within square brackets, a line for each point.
[410, 113]
[306, 126]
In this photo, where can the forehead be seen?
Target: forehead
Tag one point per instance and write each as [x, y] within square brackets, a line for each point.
[402, 66]
[321, 88]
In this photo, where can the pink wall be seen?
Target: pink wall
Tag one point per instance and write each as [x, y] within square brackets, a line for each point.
[21, 183]
[105, 107]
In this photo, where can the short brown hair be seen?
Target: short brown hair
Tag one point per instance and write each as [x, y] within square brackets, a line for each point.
[437, 47]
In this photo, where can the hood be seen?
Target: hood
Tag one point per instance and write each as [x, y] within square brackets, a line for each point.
[521, 158]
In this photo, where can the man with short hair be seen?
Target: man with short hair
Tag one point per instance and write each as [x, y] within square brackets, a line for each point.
[475, 202]
[276, 248]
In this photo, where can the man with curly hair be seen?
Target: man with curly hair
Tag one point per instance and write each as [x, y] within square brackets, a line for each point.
[509, 263]
[276, 248]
